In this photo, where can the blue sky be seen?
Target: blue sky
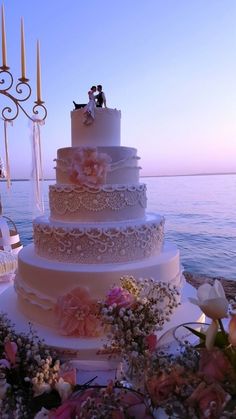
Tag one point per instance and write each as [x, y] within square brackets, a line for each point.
[169, 65]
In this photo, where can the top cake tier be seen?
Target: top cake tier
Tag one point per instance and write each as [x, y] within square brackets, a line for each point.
[104, 131]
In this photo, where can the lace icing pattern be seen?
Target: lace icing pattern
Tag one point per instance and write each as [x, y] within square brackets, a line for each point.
[98, 245]
[65, 199]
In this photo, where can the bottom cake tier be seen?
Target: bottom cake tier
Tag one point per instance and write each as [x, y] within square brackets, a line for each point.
[40, 282]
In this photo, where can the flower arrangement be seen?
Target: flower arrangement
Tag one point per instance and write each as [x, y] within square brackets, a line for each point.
[193, 381]
[134, 312]
[200, 380]
[89, 167]
[30, 376]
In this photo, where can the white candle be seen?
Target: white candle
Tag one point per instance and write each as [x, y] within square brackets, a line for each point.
[22, 50]
[38, 75]
[4, 49]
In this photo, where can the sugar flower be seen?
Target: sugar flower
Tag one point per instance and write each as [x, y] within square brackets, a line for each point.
[89, 167]
[76, 314]
[211, 300]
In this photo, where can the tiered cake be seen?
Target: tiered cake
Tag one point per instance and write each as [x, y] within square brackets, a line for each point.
[98, 230]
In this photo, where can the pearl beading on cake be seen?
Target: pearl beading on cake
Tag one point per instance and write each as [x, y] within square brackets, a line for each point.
[100, 244]
[71, 200]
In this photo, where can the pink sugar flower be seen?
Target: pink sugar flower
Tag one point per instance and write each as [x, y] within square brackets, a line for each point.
[89, 167]
[76, 314]
[10, 349]
[120, 297]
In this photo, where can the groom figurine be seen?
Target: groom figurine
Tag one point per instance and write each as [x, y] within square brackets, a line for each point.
[100, 97]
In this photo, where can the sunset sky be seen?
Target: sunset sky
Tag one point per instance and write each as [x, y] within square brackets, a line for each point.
[169, 65]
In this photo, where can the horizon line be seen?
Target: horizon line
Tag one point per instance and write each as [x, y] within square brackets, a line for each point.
[146, 176]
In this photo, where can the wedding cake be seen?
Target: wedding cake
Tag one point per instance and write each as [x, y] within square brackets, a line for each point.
[98, 230]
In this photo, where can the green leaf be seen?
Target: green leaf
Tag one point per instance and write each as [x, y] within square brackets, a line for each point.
[196, 333]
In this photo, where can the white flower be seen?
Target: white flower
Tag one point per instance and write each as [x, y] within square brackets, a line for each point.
[43, 414]
[64, 389]
[212, 300]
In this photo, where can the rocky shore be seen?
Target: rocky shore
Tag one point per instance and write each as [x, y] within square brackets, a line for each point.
[198, 279]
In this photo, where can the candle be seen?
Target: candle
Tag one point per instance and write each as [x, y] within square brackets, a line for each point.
[22, 50]
[4, 49]
[38, 75]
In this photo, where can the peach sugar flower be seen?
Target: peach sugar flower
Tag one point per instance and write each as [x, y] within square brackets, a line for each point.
[89, 167]
[76, 314]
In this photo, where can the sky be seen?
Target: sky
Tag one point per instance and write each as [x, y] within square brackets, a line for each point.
[168, 65]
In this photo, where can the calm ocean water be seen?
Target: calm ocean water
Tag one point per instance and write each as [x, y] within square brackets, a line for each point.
[200, 213]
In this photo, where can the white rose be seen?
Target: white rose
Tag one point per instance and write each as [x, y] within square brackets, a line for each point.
[64, 389]
[211, 300]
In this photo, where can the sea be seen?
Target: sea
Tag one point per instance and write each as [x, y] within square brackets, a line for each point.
[199, 211]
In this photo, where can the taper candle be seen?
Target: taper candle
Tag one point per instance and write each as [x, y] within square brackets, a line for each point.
[22, 50]
[39, 99]
[4, 48]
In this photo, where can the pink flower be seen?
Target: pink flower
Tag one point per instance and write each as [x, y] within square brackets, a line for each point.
[120, 297]
[160, 387]
[71, 407]
[68, 374]
[10, 349]
[76, 314]
[210, 399]
[214, 365]
[135, 405]
[232, 330]
[89, 167]
[151, 342]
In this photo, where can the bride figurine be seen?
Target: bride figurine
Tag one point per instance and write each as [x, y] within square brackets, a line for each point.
[89, 110]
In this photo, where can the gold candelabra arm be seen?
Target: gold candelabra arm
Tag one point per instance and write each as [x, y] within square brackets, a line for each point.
[21, 94]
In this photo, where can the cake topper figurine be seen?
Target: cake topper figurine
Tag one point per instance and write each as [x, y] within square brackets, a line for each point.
[98, 100]
[89, 110]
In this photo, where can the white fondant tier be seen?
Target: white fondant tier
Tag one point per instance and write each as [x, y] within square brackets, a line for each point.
[124, 168]
[89, 348]
[107, 202]
[120, 241]
[40, 282]
[105, 130]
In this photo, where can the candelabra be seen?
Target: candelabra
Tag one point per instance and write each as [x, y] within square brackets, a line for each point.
[18, 98]
[17, 94]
